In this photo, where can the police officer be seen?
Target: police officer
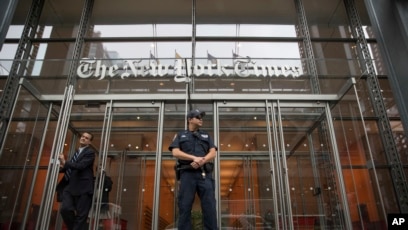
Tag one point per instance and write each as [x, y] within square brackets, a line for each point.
[195, 150]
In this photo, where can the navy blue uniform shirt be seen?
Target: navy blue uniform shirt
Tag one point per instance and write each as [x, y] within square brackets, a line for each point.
[196, 143]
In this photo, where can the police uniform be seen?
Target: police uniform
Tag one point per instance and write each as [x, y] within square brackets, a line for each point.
[194, 181]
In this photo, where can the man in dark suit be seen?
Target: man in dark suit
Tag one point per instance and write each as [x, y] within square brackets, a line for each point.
[107, 187]
[77, 185]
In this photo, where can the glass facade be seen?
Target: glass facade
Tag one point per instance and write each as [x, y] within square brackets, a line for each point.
[301, 139]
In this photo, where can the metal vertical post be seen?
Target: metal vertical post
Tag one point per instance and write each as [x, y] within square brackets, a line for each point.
[159, 151]
[18, 68]
[375, 95]
[303, 31]
[271, 130]
[287, 213]
[337, 164]
[7, 10]
[311, 65]
[101, 171]
[329, 158]
[193, 44]
[317, 181]
[63, 120]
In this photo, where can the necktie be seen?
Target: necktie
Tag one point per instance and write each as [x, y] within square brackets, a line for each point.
[69, 171]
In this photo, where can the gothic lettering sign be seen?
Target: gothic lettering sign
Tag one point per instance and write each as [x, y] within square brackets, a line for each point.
[181, 69]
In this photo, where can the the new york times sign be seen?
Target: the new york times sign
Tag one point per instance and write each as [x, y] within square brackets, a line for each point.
[93, 68]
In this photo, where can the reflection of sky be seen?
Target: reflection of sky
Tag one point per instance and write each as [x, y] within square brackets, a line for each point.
[8, 51]
[217, 49]
[220, 50]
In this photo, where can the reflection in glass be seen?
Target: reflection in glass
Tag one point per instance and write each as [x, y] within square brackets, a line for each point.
[245, 182]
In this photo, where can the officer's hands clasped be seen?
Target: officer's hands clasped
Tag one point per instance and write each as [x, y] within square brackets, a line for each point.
[198, 162]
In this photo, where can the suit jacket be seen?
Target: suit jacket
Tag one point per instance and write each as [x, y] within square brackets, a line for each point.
[82, 176]
[107, 187]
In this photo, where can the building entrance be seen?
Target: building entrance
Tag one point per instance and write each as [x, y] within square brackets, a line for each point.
[277, 165]
[129, 141]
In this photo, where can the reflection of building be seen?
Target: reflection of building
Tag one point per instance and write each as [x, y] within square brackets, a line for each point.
[95, 50]
[312, 148]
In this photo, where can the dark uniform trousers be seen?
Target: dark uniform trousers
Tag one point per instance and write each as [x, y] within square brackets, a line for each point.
[191, 181]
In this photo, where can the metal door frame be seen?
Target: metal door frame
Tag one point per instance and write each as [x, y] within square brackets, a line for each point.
[325, 106]
[217, 106]
[274, 145]
[103, 154]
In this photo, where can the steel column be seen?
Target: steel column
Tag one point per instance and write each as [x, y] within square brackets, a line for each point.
[303, 31]
[376, 97]
[19, 67]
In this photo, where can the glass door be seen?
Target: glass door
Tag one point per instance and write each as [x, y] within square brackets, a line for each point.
[279, 167]
[247, 190]
[311, 191]
[127, 166]
[174, 122]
